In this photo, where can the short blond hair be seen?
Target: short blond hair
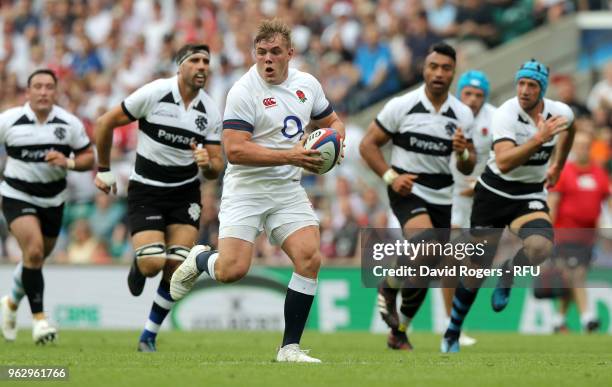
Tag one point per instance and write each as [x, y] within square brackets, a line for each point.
[269, 28]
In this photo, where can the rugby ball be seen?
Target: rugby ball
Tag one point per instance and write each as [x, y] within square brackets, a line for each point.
[329, 143]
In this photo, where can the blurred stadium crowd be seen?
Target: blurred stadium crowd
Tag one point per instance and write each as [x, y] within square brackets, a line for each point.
[362, 51]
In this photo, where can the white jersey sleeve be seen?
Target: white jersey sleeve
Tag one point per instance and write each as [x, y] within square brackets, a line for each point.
[79, 140]
[389, 117]
[213, 132]
[466, 124]
[502, 126]
[321, 107]
[4, 126]
[566, 112]
[138, 104]
[239, 110]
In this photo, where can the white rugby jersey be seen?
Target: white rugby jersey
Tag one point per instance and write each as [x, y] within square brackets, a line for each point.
[27, 176]
[166, 129]
[277, 116]
[482, 139]
[422, 140]
[510, 122]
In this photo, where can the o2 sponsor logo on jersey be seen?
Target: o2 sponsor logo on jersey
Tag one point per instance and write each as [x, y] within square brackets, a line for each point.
[269, 102]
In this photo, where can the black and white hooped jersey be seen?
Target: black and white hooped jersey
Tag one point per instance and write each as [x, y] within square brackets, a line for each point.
[512, 123]
[27, 176]
[422, 140]
[166, 129]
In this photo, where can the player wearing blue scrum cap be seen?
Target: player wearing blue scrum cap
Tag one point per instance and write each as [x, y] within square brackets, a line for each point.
[473, 90]
[532, 137]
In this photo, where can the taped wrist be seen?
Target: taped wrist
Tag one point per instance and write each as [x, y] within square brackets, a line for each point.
[107, 177]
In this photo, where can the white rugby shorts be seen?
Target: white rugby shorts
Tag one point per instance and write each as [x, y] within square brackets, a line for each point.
[461, 211]
[279, 215]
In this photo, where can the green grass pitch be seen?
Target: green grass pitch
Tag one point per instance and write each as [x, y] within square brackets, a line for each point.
[103, 358]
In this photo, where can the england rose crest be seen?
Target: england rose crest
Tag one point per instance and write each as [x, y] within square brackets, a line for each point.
[300, 94]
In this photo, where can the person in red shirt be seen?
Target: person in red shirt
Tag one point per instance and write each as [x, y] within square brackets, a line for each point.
[575, 205]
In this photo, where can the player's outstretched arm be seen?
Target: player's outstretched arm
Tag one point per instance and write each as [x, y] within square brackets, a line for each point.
[240, 150]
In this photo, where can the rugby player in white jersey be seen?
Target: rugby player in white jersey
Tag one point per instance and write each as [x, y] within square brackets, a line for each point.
[178, 139]
[266, 114]
[472, 90]
[40, 138]
[425, 126]
[532, 137]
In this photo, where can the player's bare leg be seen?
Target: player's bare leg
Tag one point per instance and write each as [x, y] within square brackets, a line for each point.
[535, 229]
[413, 295]
[27, 231]
[229, 264]
[302, 246]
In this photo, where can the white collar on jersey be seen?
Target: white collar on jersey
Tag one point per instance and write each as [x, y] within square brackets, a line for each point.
[177, 95]
[429, 106]
[523, 114]
[27, 110]
[290, 72]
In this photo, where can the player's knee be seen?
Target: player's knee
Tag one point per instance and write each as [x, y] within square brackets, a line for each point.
[149, 267]
[151, 259]
[309, 264]
[537, 238]
[34, 255]
[228, 274]
[537, 249]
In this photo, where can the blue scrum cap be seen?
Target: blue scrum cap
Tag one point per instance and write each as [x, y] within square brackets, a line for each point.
[473, 78]
[534, 70]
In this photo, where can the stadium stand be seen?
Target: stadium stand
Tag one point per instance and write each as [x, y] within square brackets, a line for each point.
[362, 51]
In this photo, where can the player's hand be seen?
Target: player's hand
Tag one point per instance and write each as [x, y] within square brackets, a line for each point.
[548, 128]
[106, 182]
[403, 184]
[460, 143]
[56, 158]
[552, 175]
[308, 159]
[200, 155]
